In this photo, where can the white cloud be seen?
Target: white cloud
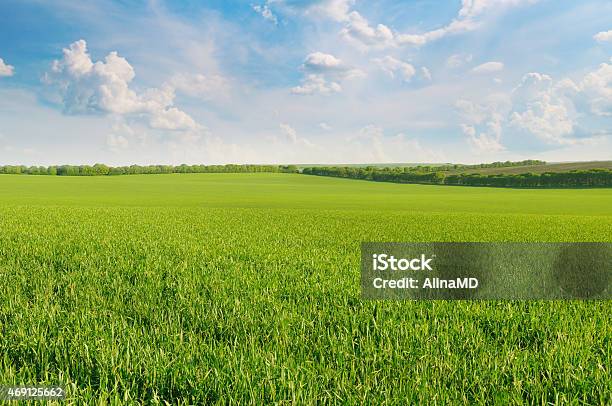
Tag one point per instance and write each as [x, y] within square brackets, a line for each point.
[551, 111]
[472, 112]
[371, 137]
[290, 135]
[596, 87]
[557, 113]
[604, 36]
[289, 132]
[124, 134]
[394, 67]
[454, 27]
[325, 126]
[323, 74]
[171, 118]
[265, 12]
[488, 67]
[483, 123]
[318, 61]
[316, 84]
[200, 86]
[547, 121]
[425, 73]
[484, 142]
[104, 87]
[458, 60]
[336, 10]
[321, 63]
[5, 69]
[357, 27]
[474, 8]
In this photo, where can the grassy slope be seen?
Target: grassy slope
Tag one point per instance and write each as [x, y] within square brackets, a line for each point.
[246, 287]
[549, 167]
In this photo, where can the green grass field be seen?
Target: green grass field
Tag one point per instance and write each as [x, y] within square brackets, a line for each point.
[244, 288]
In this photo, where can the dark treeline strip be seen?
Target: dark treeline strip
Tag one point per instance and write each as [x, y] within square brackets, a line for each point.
[581, 178]
[451, 167]
[103, 170]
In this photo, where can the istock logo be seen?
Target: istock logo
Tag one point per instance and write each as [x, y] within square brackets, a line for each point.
[383, 262]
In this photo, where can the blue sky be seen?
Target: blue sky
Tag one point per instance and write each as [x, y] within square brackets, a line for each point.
[304, 81]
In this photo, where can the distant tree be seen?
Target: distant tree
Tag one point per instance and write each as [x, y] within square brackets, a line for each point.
[101, 169]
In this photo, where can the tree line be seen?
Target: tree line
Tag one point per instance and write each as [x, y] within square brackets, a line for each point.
[575, 178]
[104, 170]
[452, 167]
[421, 174]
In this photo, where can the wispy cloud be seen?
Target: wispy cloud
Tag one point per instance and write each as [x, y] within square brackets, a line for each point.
[488, 67]
[265, 11]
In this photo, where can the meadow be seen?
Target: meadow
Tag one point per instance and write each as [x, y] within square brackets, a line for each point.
[244, 288]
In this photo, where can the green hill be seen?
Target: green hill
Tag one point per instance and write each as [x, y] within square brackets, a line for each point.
[548, 167]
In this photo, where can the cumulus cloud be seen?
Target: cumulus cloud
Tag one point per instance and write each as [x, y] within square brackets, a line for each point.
[534, 107]
[483, 123]
[5, 69]
[541, 110]
[323, 74]
[488, 141]
[171, 118]
[265, 12]
[318, 61]
[326, 64]
[103, 87]
[604, 36]
[552, 111]
[488, 67]
[357, 28]
[558, 113]
[596, 88]
[394, 67]
[316, 84]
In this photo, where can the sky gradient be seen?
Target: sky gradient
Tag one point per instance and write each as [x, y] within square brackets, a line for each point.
[299, 81]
